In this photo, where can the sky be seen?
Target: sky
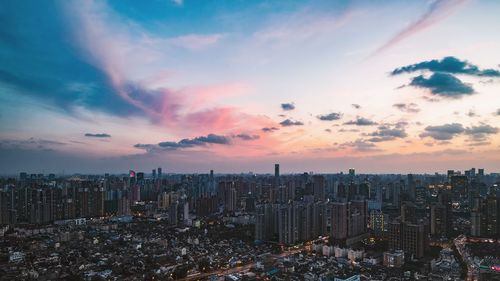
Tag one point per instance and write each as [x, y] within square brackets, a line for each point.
[236, 86]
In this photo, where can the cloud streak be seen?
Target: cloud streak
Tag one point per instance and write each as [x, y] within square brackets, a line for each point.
[269, 129]
[437, 11]
[98, 135]
[247, 137]
[30, 143]
[185, 143]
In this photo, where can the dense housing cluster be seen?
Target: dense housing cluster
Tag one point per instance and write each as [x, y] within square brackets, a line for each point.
[241, 227]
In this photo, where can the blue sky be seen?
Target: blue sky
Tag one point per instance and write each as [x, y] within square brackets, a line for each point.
[113, 85]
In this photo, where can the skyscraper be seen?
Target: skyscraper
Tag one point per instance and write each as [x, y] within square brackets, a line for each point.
[459, 187]
[231, 202]
[480, 172]
[319, 191]
[286, 224]
[358, 219]
[276, 175]
[173, 213]
[408, 212]
[411, 238]
[407, 234]
[339, 220]
[352, 172]
[439, 220]
[377, 220]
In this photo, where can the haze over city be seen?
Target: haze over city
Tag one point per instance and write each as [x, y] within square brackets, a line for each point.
[235, 86]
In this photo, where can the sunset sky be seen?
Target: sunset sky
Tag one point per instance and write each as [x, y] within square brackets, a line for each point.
[236, 86]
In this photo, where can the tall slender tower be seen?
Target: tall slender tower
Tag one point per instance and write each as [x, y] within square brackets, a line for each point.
[276, 175]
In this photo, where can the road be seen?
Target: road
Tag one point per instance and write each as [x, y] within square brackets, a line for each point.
[472, 271]
[240, 269]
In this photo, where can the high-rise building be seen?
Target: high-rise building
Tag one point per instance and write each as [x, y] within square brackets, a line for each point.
[249, 204]
[212, 184]
[341, 191]
[411, 187]
[338, 217]
[358, 218]
[135, 192]
[408, 234]
[231, 200]
[140, 176]
[184, 212]
[173, 213]
[480, 172]
[408, 212]
[319, 191]
[459, 187]
[472, 172]
[492, 215]
[395, 193]
[377, 222]
[364, 190]
[475, 223]
[305, 217]
[420, 195]
[411, 238]
[485, 217]
[319, 218]
[286, 224]
[8, 213]
[450, 173]
[276, 175]
[352, 172]
[300, 221]
[439, 220]
[263, 222]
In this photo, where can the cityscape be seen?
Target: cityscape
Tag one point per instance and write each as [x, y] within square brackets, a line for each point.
[239, 140]
[301, 226]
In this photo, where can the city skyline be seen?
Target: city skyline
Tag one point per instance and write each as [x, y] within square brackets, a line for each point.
[278, 172]
[234, 86]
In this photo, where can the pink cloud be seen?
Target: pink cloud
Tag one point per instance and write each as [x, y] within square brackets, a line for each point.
[225, 119]
[201, 96]
[119, 48]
